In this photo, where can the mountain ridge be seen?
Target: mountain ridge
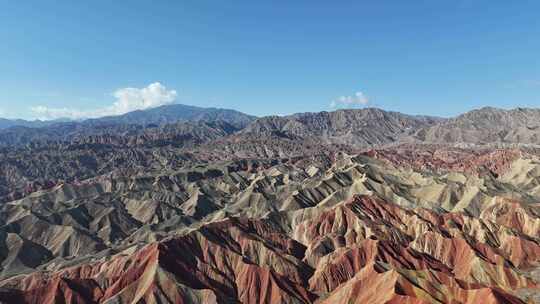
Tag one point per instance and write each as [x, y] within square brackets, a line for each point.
[485, 125]
[158, 115]
[308, 208]
[357, 127]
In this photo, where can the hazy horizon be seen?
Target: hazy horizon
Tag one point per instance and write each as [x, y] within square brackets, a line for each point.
[67, 119]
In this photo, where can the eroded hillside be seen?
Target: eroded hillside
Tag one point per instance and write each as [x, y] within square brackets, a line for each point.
[397, 225]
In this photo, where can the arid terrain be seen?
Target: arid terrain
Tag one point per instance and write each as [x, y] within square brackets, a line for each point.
[190, 205]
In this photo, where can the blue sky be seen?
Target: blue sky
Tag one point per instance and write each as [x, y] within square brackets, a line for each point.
[267, 57]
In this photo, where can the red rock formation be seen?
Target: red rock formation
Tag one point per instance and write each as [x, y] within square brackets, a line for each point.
[448, 159]
[371, 255]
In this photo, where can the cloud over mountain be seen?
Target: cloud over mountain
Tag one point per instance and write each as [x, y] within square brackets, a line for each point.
[127, 100]
[359, 98]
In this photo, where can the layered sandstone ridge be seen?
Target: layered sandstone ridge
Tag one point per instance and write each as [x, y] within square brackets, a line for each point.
[364, 250]
[396, 225]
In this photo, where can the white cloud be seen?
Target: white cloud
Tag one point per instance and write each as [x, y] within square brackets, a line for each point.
[130, 99]
[127, 100]
[357, 99]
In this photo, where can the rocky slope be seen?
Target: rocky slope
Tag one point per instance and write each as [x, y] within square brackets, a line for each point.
[113, 148]
[429, 230]
[487, 125]
[363, 127]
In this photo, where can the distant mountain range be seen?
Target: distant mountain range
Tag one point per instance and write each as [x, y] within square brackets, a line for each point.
[21, 132]
[159, 115]
[176, 113]
[8, 123]
[353, 127]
